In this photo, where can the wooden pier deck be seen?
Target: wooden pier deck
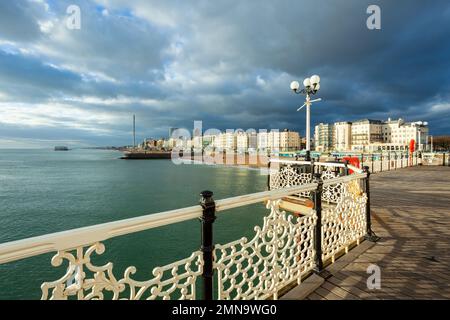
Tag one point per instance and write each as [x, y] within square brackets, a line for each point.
[411, 214]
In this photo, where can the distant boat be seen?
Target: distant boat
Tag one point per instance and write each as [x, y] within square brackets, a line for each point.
[61, 148]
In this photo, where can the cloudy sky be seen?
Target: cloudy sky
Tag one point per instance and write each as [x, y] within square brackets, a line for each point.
[228, 63]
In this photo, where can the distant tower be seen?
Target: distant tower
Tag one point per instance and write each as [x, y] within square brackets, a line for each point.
[134, 131]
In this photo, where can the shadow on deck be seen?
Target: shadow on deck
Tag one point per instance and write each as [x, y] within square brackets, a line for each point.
[411, 213]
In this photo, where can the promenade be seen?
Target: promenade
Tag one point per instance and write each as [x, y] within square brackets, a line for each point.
[411, 214]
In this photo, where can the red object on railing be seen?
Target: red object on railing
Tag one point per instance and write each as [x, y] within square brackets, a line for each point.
[412, 146]
[354, 161]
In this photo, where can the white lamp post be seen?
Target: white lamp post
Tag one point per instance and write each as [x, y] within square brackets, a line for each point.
[311, 87]
[419, 124]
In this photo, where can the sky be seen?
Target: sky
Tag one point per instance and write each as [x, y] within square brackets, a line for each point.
[227, 63]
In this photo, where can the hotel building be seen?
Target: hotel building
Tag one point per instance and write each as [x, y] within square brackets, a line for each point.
[370, 135]
[324, 137]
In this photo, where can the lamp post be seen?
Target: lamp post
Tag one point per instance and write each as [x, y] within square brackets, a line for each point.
[311, 87]
[419, 124]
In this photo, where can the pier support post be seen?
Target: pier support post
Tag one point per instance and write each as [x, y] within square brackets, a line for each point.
[346, 168]
[395, 160]
[370, 235]
[312, 169]
[389, 161]
[373, 159]
[318, 229]
[308, 155]
[207, 219]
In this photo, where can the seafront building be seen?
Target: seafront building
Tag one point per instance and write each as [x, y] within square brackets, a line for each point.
[246, 141]
[289, 140]
[285, 140]
[369, 135]
[237, 141]
[342, 136]
[324, 137]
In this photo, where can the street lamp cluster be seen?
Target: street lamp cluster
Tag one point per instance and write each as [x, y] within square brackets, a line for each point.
[311, 87]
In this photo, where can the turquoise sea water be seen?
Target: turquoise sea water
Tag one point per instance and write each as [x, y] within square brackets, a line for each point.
[43, 191]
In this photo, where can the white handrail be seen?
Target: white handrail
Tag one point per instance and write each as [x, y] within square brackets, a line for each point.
[330, 164]
[70, 239]
[356, 169]
[325, 164]
[230, 203]
[345, 179]
[74, 238]
[289, 161]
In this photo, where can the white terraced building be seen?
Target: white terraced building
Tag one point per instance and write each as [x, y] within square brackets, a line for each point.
[342, 136]
[371, 135]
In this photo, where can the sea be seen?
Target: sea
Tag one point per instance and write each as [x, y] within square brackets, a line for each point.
[45, 191]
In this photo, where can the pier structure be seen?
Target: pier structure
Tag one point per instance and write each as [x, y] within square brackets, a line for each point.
[325, 222]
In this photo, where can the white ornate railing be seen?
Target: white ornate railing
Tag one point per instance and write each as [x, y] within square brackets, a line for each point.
[280, 253]
[345, 223]
[375, 162]
[290, 173]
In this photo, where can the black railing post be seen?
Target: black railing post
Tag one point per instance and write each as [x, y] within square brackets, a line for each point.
[207, 219]
[268, 174]
[443, 159]
[318, 228]
[346, 168]
[312, 169]
[389, 161]
[373, 157]
[395, 160]
[370, 235]
[381, 162]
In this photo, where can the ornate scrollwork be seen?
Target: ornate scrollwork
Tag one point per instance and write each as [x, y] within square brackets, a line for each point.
[177, 280]
[345, 223]
[280, 253]
[289, 176]
[331, 193]
[85, 281]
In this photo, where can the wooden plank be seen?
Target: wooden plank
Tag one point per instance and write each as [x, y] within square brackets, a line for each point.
[303, 290]
[327, 294]
[414, 252]
[343, 294]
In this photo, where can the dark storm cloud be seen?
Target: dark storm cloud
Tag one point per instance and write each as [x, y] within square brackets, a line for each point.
[228, 63]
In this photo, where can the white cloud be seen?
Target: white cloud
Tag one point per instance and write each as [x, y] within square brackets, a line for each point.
[441, 107]
[46, 26]
[57, 115]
